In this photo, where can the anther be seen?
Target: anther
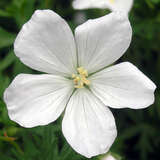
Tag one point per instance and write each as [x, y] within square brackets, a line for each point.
[80, 79]
[111, 1]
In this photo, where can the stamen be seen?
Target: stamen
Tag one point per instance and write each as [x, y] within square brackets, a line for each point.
[80, 79]
[111, 1]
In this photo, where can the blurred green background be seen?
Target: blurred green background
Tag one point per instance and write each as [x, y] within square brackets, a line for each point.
[138, 130]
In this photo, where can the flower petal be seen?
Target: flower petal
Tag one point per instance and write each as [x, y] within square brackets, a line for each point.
[86, 4]
[124, 5]
[113, 5]
[102, 41]
[34, 100]
[123, 86]
[46, 43]
[108, 157]
[88, 125]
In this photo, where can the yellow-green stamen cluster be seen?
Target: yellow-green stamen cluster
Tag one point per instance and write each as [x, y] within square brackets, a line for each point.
[111, 1]
[80, 79]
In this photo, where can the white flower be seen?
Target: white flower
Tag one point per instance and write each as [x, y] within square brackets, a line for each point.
[77, 78]
[113, 5]
[108, 157]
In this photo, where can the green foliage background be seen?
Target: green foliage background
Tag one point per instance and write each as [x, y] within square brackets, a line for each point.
[138, 130]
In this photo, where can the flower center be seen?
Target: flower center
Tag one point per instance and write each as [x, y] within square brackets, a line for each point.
[80, 79]
[111, 1]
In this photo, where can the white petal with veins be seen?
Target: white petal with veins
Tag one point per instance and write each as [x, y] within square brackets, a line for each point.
[34, 100]
[88, 125]
[123, 86]
[102, 41]
[46, 43]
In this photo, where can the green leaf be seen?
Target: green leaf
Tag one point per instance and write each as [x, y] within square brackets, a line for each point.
[6, 38]
[5, 157]
[4, 13]
[21, 10]
[4, 81]
[8, 60]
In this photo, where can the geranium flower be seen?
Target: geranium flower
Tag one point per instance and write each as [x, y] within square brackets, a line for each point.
[77, 78]
[108, 157]
[113, 5]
